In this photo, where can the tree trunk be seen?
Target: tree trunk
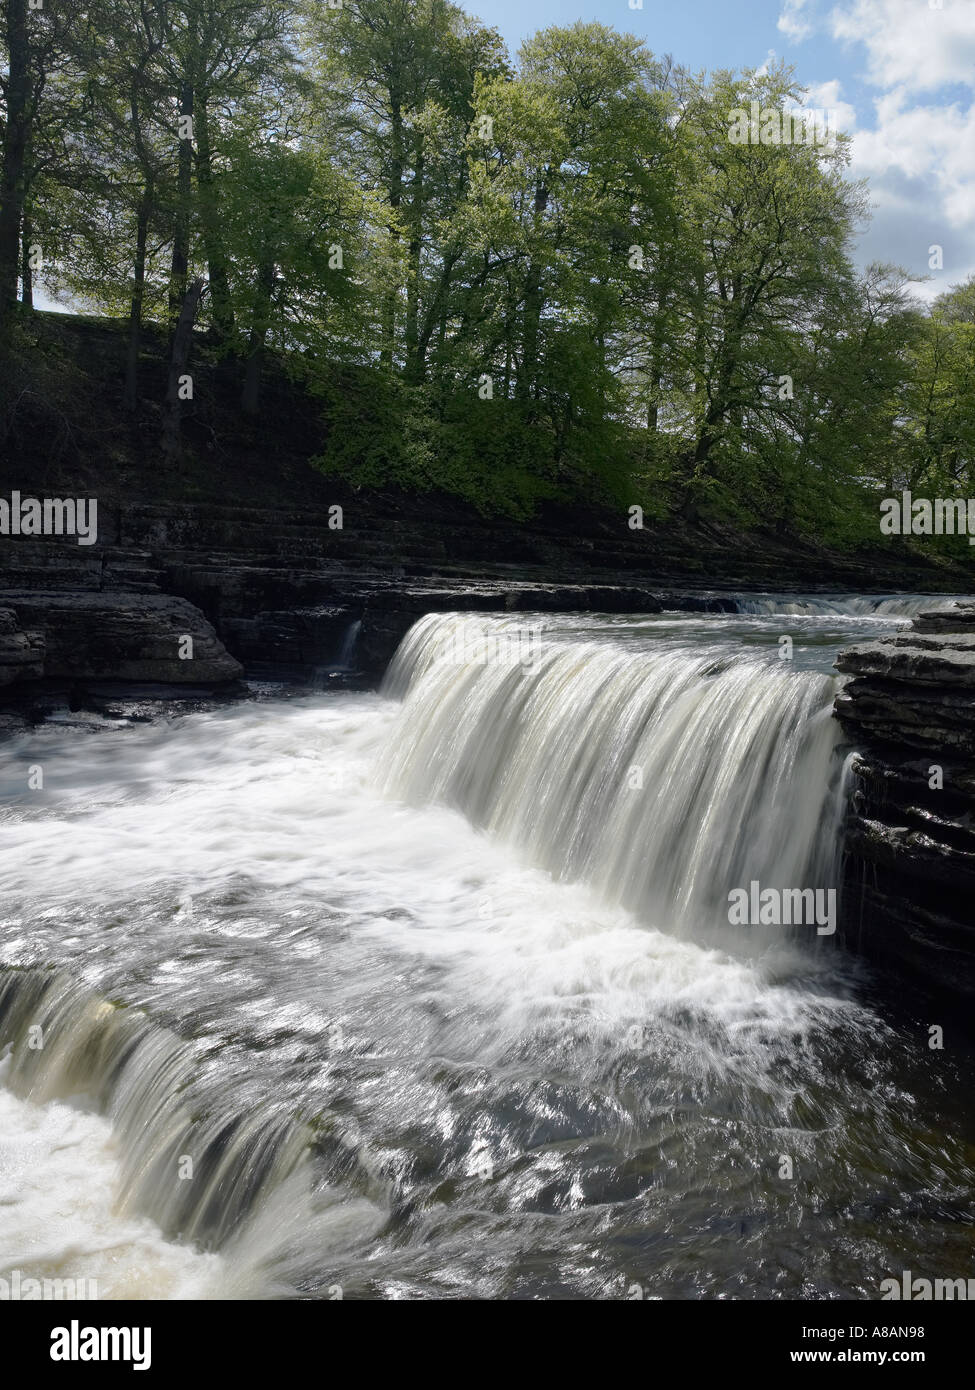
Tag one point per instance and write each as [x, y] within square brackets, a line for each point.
[723, 399]
[657, 361]
[250, 400]
[219, 278]
[531, 321]
[181, 224]
[16, 134]
[435, 312]
[182, 342]
[26, 273]
[413, 369]
[526, 385]
[395, 199]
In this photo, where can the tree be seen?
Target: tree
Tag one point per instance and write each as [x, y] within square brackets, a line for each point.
[295, 230]
[937, 417]
[48, 50]
[771, 225]
[396, 80]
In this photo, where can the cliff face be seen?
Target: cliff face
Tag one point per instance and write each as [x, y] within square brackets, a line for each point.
[909, 710]
[282, 590]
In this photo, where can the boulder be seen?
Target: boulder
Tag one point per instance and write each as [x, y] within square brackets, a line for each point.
[122, 635]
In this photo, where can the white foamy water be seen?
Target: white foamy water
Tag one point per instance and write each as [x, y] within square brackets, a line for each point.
[664, 784]
[843, 605]
[420, 986]
[59, 1173]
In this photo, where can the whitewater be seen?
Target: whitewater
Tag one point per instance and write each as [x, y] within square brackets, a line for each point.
[431, 992]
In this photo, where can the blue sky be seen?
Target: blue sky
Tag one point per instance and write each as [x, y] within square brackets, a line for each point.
[900, 74]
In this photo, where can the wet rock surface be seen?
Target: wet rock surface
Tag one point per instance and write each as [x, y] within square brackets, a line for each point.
[21, 653]
[287, 598]
[909, 710]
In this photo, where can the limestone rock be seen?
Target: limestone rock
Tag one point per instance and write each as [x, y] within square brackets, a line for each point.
[21, 653]
[122, 635]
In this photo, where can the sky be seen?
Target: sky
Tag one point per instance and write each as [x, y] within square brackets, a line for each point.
[899, 74]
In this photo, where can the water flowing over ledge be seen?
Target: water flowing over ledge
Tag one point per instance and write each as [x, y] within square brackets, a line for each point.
[838, 605]
[664, 780]
[206, 1169]
[514, 1085]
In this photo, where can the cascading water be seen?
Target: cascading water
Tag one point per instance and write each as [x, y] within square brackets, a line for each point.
[664, 782]
[65, 1041]
[843, 605]
[196, 1155]
[349, 641]
[436, 988]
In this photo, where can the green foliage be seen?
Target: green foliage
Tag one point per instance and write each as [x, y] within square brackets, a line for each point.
[561, 278]
[382, 432]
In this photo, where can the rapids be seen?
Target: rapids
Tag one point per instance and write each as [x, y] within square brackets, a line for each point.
[436, 991]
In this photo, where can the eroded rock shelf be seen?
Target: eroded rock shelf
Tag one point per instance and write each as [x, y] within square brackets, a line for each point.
[908, 708]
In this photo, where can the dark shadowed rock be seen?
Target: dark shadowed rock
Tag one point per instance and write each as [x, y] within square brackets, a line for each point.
[122, 636]
[909, 708]
[292, 642]
[21, 653]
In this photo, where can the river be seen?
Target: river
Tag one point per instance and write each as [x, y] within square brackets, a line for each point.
[431, 992]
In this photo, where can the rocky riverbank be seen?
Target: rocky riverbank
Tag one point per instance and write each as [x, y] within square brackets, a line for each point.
[285, 593]
[909, 711]
[190, 600]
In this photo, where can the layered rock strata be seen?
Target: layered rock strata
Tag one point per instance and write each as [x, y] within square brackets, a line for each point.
[909, 711]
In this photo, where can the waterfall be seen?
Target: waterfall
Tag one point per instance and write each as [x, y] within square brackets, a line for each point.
[664, 780]
[344, 662]
[323, 676]
[328, 996]
[209, 1165]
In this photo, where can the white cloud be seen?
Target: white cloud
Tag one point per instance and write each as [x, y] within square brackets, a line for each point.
[909, 43]
[915, 140]
[920, 164]
[924, 148]
[826, 96]
[792, 21]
